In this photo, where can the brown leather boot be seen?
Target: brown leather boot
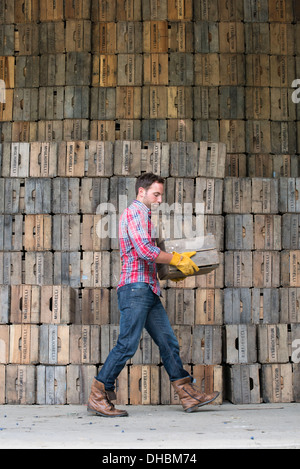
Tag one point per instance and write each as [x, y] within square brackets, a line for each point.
[190, 397]
[100, 404]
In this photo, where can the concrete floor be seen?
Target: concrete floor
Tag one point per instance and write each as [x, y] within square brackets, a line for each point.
[158, 427]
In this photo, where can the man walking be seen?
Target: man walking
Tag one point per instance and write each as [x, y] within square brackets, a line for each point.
[140, 305]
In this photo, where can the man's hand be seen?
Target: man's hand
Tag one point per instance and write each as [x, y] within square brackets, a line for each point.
[184, 263]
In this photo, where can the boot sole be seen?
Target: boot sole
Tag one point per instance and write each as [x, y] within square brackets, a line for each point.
[99, 414]
[201, 404]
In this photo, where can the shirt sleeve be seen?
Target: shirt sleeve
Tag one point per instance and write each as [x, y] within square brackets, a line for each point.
[140, 237]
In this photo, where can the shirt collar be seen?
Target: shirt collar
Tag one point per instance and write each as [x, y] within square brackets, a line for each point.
[142, 206]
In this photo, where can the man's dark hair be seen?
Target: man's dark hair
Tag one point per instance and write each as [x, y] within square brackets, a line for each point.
[146, 180]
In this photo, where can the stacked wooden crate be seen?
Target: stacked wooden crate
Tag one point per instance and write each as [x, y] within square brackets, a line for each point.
[98, 92]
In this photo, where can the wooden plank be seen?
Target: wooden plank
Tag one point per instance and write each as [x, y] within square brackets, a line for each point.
[51, 385]
[78, 35]
[95, 269]
[103, 104]
[180, 10]
[65, 196]
[79, 382]
[57, 304]
[240, 345]
[49, 131]
[25, 304]
[84, 344]
[257, 38]
[27, 39]
[66, 269]
[156, 69]
[238, 306]
[77, 9]
[39, 268]
[100, 159]
[144, 385]
[94, 191]
[181, 70]
[7, 71]
[26, 11]
[209, 378]
[103, 10]
[51, 101]
[43, 159]
[232, 37]
[155, 37]
[71, 159]
[265, 306]
[206, 257]
[27, 72]
[7, 12]
[38, 230]
[289, 305]
[52, 11]
[54, 344]
[102, 130]
[104, 37]
[52, 70]
[209, 307]
[244, 384]
[277, 383]
[128, 102]
[25, 105]
[7, 39]
[266, 269]
[267, 232]
[52, 38]
[236, 195]
[38, 196]
[5, 300]
[209, 192]
[78, 69]
[255, 11]
[206, 36]
[207, 345]
[10, 268]
[24, 343]
[290, 262]
[4, 344]
[155, 10]
[129, 38]
[93, 235]
[95, 306]
[131, 11]
[77, 105]
[66, 232]
[104, 70]
[258, 69]
[130, 70]
[273, 343]
[258, 136]
[20, 385]
[239, 232]
[11, 232]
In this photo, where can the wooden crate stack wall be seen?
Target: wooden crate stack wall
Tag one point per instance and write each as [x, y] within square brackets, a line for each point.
[96, 94]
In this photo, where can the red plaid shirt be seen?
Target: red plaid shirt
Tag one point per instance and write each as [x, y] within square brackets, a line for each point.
[137, 247]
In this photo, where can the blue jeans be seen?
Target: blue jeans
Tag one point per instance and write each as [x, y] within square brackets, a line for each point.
[141, 308]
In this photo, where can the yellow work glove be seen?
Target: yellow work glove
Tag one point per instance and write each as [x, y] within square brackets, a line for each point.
[184, 263]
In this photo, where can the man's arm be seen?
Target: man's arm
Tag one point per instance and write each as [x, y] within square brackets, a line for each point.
[164, 258]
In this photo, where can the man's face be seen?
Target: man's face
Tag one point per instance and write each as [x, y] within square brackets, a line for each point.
[153, 196]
